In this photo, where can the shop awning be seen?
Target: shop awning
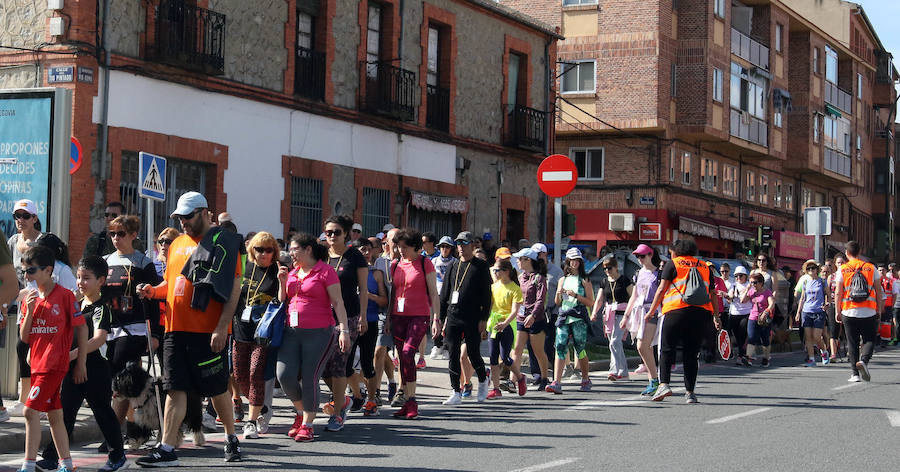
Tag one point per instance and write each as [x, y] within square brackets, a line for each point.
[445, 204]
[697, 227]
[735, 234]
[832, 111]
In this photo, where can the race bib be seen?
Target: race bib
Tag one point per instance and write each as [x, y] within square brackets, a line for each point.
[401, 303]
[294, 320]
[180, 283]
[454, 297]
[245, 315]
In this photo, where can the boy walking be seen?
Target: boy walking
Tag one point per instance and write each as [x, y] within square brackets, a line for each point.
[51, 315]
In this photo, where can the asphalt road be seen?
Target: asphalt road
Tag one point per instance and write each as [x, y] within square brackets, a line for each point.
[785, 417]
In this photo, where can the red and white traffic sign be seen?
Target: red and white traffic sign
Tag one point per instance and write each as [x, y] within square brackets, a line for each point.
[557, 175]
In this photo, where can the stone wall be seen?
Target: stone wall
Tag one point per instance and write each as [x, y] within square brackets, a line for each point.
[254, 41]
[127, 20]
[23, 23]
[345, 69]
[19, 77]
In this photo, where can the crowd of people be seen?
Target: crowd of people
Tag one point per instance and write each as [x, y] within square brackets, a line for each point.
[359, 309]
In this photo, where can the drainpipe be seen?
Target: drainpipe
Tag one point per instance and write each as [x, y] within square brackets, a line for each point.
[104, 111]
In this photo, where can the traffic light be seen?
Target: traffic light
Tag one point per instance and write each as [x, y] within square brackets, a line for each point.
[765, 236]
[749, 246]
[568, 222]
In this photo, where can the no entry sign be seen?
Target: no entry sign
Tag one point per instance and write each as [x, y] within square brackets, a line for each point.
[557, 175]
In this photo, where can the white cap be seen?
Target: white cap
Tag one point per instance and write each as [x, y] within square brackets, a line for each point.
[539, 247]
[189, 202]
[27, 205]
[387, 227]
[740, 270]
[574, 253]
[357, 227]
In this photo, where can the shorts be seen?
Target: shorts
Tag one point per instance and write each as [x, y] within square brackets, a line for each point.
[537, 327]
[45, 390]
[337, 365]
[385, 338]
[190, 365]
[814, 320]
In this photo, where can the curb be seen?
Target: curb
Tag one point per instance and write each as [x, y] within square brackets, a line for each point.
[13, 440]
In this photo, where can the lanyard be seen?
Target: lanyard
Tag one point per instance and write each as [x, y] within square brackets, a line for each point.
[457, 283]
[258, 286]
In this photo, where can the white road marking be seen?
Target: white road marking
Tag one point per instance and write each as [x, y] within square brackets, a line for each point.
[557, 176]
[894, 418]
[739, 415]
[842, 387]
[587, 405]
[547, 465]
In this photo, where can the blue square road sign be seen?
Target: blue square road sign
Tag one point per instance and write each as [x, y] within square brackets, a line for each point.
[152, 176]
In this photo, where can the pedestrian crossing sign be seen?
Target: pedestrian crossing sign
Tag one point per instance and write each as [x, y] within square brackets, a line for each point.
[152, 176]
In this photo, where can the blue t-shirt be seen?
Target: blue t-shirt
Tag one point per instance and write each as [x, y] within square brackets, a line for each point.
[372, 286]
[814, 289]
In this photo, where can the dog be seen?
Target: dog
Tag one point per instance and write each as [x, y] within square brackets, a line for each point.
[781, 340]
[134, 385]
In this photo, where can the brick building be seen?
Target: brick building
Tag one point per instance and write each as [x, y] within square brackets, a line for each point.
[706, 119]
[428, 113]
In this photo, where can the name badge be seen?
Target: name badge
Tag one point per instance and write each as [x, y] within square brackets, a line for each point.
[294, 320]
[179, 286]
[401, 303]
[125, 303]
[245, 315]
[454, 297]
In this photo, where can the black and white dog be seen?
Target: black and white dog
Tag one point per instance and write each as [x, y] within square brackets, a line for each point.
[134, 385]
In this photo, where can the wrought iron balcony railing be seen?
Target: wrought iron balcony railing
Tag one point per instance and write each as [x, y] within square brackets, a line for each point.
[309, 74]
[390, 90]
[190, 37]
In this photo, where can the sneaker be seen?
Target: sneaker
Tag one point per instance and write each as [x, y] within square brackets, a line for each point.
[641, 369]
[335, 423]
[568, 371]
[494, 394]
[542, 386]
[238, 410]
[345, 410]
[863, 371]
[483, 386]
[392, 390]
[17, 409]
[112, 465]
[832, 359]
[209, 423]
[250, 430]
[304, 433]
[46, 465]
[357, 404]
[576, 374]
[158, 458]
[661, 393]
[854, 378]
[262, 423]
[523, 385]
[298, 422]
[810, 363]
[651, 388]
[454, 399]
[466, 391]
[749, 361]
[765, 362]
[232, 449]
[404, 409]
[554, 387]
[378, 400]
[4, 416]
[690, 398]
[535, 379]
[445, 354]
[435, 353]
[412, 411]
[586, 385]
[63, 468]
[399, 399]
[420, 364]
[370, 408]
[745, 361]
[615, 377]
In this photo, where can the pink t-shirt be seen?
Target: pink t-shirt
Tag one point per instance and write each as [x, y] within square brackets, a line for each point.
[721, 287]
[760, 301]
[410, 284]
[309, 297]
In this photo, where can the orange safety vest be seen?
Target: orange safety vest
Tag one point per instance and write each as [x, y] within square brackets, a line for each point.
[683, 265]
[887, 286]
[868, 271]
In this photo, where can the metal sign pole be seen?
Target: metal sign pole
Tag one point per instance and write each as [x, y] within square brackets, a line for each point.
[557, 230]
[151, 231]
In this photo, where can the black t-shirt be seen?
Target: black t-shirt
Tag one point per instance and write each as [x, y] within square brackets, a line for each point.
[258, 287]
[346, 266]
[617, 289]
[126, 272]
[96, 316]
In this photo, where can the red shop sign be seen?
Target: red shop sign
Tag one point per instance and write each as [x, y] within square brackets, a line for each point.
[650, 231]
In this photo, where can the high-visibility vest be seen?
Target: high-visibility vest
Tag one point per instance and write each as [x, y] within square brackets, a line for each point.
[868, 271]
[887, 286]
[683, 265]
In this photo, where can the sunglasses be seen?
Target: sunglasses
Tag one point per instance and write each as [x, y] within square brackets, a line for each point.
[119, 234]
[264, 250]
[189, 216]
[762, 260]
[31, 270]
[163, 242]
[111, 215]
[333, 232]
[757, 283]
[22, 216]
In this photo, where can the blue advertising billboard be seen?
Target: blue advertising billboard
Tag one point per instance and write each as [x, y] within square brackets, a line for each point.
[26, 126]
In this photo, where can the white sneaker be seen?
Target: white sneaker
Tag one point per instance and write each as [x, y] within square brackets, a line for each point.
[262, 423]
[435, 353]
[455, 398]
[4, 416]
[18, 409]
[854, 378]
[209, 421]
[445, 354]
[484, 387]
[250, 431]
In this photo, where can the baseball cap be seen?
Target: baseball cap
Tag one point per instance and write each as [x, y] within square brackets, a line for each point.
[642, 249]
[387, 227]
[502, 253]
[380, 236]
[188, 202]
[357, 227]
[574, 253]
[27, 205]
[445, 241]
[539, 247]
[740, 270]
[527, 252]
[464, 238]
[486, 237]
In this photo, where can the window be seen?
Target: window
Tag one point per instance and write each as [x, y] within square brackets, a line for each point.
[859, 85]
[858, 142]
[514, 89]
[674, 80]
[815, 61]
[748, 92]
[305, 23]
[373, 39]
[820, 199]
[831, 64]
[816, 127]
[837, 134]
[686, 168]
[671, 165]
[778, 189]
[579, 2]
[578, 76]
[718, 78]
[376, 209]
[789, 197]
[719, 8]
[729, 180]
[776, 118]
[779, 32]
[432, 76]
[751, 186]
[709, 175]
[589, 163]
[306, 204]
[763, 189]
[806, 198]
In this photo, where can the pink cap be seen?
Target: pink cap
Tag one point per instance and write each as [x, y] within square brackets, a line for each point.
[642, 249]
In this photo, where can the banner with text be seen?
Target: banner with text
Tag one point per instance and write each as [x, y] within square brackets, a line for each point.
[25, 162]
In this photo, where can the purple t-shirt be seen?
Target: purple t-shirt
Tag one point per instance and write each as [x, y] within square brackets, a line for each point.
[759, 302]
[534, 289]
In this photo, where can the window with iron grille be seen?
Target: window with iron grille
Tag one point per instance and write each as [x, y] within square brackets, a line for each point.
[181, 177]
[376, 210]
[306, 205]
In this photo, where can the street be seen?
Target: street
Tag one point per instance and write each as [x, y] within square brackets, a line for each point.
[786, 417]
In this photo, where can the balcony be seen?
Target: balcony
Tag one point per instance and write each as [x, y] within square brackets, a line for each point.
[838, 162]
[837, 97]
[390, 90]
[437, 108]
[309, 74]
[749, 128]
[524, 127]
[749, 49]
[190, 37]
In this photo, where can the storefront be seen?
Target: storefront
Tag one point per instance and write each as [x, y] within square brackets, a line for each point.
[439, 214]
[705, 233]
[620, 229]
[793, 249]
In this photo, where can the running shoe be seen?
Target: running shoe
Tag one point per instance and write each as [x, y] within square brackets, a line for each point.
[378, 400]
[523, 385]
[494, 394]
[749, 362]
[466, 391]
[765, 362]
[576, 375]
[555, 387]
[250, 431]
[113, 465]
[435, 353]
[661, 393]
[536, 379]
[298, 421]
[690, 398]
[863, 371]
[17, 409]
[412, 412]
[483, 386]
[509, 386]
[404, 409]
[854, 378]
[335, 423]
[542, 386]
[158, 458]
[586, 385]
[651, 388]
[832, 359]
[421, 363]
[399, 399]
[328, 408]
[356, 404]
[392, 390]
[262, 423]
[304, 433]
[568, 371]
[238, 410]
[810, 363]
[370, 408]
[641, 369]
[63, 468]
[46, 465]
[614, 377]
[454, 399]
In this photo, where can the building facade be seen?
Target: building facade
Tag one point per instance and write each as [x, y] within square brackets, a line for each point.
[706, 119]
[283, 112]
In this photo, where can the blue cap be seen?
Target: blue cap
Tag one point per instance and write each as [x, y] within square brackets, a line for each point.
[445, 241]
[527, 252]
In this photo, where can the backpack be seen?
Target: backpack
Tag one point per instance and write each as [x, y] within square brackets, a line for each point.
[859, 287]
[696, 292]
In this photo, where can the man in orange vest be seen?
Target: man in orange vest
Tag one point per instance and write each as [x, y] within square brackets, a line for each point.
[687, 294]
[856, 308]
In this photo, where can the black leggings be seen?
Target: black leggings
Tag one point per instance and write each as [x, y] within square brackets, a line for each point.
[737, 324]
[22, 353]
[860, 329]
[685, 327]
[366, 344]
[455, 332]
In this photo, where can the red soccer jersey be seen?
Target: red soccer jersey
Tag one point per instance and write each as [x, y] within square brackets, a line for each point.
[52, 327]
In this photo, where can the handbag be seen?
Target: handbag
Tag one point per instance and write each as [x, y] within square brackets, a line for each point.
[270, 330]
[764, 319]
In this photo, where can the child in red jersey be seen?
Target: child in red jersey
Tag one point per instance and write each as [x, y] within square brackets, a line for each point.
[51, 316]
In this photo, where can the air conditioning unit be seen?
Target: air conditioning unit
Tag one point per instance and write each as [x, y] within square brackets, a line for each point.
[621, 221]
